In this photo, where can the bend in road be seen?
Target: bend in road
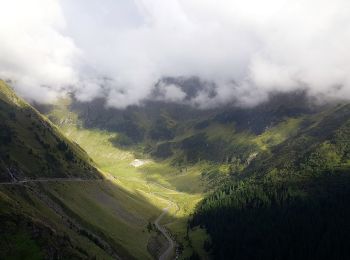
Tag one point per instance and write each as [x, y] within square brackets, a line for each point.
[167, 254]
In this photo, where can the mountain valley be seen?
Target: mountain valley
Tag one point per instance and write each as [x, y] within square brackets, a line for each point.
[214, 180]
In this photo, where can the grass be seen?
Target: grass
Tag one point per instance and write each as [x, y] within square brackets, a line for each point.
[23, 201]
[31, 142]
[198, 237]
[120, 215]
[21, 246]
[278, 133]
[147, 190]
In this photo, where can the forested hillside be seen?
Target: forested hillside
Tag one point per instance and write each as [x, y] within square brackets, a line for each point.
[291, 202]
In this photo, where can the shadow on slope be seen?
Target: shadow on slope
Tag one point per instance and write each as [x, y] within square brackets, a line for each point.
[77, 220]
[291, 204]
[304, 219]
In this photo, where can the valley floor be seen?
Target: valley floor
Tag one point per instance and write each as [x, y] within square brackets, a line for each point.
[171, 195]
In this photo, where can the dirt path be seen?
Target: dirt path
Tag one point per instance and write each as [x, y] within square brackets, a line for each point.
[168, 253]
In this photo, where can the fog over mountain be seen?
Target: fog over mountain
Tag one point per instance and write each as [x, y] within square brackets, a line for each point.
[127, 50]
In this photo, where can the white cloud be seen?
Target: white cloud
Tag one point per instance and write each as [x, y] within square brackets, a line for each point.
[261, 46]
[33, 52]
[170, 92]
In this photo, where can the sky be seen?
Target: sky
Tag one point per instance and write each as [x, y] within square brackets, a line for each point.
[121, 49]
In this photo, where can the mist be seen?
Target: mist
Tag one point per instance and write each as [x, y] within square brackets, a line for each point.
[124, 49]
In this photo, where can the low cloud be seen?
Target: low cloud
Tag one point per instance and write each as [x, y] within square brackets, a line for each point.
[240, 50]
[34, 52]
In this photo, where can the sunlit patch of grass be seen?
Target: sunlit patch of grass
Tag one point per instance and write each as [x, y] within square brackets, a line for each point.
[278, 133]
[158, 183]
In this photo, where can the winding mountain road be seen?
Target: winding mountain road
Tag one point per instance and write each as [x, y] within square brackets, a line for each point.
[48, 180]
[168, 253]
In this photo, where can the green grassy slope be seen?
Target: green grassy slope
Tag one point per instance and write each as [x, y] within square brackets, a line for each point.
[31, 147]
[69, 211]
[34, 227]
[97, 218]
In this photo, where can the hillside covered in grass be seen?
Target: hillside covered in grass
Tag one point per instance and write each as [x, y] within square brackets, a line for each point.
[54, 203]
[32, 147]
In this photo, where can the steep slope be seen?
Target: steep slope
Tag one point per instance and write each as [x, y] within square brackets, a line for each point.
[31, 147]
[54, 203]
[291, 202]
